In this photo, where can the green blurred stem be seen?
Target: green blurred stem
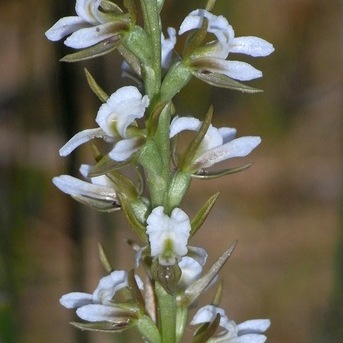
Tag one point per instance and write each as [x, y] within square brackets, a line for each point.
[150, 9]
[155, 159]
[167, 314]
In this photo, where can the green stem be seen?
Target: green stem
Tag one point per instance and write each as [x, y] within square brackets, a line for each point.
[167, 314]
[155, 159]
[150, 9]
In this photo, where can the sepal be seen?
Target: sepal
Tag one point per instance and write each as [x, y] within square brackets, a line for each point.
[194, 290]
[186, 162]
[110, 7]
[98, 204]
[105, 165]
[135, 213]
[223, 81]
[135, 291]
[100, 49]
[206, 331]
[97, 90]
[205, 175]
[121, 325]
[201, 216]
[104, 259]
[194, 40]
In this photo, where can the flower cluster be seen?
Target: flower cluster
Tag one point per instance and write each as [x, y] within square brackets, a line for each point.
[144, 172]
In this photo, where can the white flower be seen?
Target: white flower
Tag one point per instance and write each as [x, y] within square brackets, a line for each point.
[218, 144]
[212, 56]
[99, 306]
[250, 331]
[114, 117]
[168, 236]
[89, 27]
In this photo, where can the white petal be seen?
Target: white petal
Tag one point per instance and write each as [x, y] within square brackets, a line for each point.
[121, 109]
[180, 124]
[87, 37]
[208, 313]
[79, 139]
[253, 326]
[217, 25]
[191, 22]
[251, 338]
[191, 271]
[98, 313]
[73, 186]
[124, 149]
[198, 254]
[241, 71]
[64, 27]
[227, 133]
[109, 285]
[86, 8]
[238, 147]
[162, 228]
[167, 45]
[253, 46]
[76, 299]
[212, 139]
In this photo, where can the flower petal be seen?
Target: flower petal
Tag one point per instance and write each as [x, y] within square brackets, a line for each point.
[238, 147]
[121, 109]
[109, 285]
[218, 25]
[241, 71]
[227, 133]
[172, 231]
[124, 149]
[207, 314]
[73, 186]
[251, 338]
[79, 139]
[89, 36]
[253, 326]
[99, 313]
[167, 45]
[64, 27]
[86, 9]
[250, 45]
[191, 271]
[76, 299]
[180, 124]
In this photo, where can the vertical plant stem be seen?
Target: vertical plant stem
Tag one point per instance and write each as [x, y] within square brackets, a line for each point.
[152, 26]
[167, 314]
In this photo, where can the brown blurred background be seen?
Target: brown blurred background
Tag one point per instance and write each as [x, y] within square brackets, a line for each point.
[285, 211]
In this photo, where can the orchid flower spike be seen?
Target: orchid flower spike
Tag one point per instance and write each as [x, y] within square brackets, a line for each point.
[168, 236]
[92, 24]
[115, 117]
[218, 144]
[249, 331]
[212, 56]
[100, 305]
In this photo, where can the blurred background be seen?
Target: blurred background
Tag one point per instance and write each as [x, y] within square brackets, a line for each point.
[285, 211]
